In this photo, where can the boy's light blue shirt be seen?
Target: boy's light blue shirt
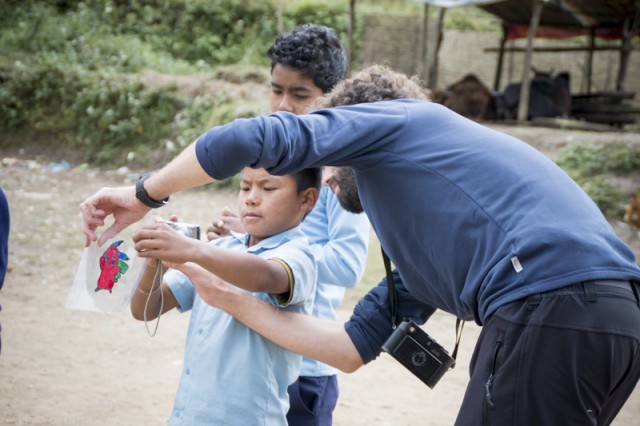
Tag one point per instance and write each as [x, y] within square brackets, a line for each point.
[339, 241]
[231, 374]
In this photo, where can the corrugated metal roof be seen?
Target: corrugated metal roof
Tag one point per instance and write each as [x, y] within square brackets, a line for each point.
[570, 14]
[456, 3]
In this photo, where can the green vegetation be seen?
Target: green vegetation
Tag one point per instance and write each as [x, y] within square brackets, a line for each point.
[72, 70]
[592, 165]
[68, 68]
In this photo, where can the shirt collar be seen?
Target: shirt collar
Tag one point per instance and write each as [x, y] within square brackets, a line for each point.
[271, 242]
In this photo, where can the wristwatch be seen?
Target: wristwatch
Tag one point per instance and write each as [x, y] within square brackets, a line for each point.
[143, 196]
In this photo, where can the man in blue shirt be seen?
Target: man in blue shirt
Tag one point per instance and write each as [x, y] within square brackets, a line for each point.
[306, 63]
[478, 224]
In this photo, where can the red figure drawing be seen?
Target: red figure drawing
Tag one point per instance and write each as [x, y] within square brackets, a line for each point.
[112, 266]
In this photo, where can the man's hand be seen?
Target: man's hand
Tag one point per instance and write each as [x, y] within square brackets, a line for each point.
[120, 202]
[183, 172]
[223, 226]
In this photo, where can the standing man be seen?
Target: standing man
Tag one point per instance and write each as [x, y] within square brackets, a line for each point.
[478, 223]
[306, 63]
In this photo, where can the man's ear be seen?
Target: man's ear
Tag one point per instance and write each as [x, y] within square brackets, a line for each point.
[308, 198]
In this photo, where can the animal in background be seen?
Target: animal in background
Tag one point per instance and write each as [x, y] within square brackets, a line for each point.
[632, 212]
[468, 97]
[550, 96]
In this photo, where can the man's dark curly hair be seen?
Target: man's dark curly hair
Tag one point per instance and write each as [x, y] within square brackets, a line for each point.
[315, 51]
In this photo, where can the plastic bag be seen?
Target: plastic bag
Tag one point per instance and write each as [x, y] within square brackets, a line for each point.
[106, 277]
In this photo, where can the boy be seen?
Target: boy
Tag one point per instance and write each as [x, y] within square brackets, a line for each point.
[229, 371]
[306, 63]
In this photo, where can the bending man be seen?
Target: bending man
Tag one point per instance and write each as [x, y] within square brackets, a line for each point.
[478, 223]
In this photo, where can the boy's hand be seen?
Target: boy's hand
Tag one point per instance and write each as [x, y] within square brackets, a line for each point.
[160, 241]
[223, 226]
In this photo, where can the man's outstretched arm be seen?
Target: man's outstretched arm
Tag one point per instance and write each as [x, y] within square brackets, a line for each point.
[181, 173]
[324, 340]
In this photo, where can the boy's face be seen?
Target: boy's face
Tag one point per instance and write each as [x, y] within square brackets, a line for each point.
[291, 91]
[270, 204]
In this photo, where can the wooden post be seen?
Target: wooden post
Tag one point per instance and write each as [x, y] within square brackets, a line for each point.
[280, 20]
[421, 63]
[498, 76]
[352, 25]
[525, 88]
[433, 70]
[592, 46]
[625, 52]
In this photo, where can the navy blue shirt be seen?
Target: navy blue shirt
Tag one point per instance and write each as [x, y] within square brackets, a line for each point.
[471, 217]
[4, 235]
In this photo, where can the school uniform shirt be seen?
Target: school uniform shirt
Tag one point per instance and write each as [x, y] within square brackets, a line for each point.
[231, 375]
[471, 217]
[339, 242]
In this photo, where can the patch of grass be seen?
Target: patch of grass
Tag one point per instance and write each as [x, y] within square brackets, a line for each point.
[592, 166]
[590, 160]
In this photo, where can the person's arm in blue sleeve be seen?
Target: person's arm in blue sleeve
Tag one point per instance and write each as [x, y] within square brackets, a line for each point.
[370, 325]
[342, 258]
[4, 235]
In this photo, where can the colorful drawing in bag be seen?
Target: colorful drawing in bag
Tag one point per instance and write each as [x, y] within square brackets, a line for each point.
[112, 266]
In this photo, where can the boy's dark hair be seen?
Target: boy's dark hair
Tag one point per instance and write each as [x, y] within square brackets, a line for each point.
[315, 51]
[308, 178]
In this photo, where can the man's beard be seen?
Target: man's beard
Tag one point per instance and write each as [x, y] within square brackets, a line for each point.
[348, 193]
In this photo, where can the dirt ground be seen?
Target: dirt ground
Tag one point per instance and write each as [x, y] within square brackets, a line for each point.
[66, 367]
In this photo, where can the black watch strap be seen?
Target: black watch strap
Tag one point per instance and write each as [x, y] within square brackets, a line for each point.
[143, 196]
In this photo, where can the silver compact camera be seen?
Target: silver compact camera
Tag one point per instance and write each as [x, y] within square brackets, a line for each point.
[187, 229]
[418, 352]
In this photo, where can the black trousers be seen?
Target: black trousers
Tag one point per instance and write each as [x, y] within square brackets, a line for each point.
[565, 357]
[312, 400]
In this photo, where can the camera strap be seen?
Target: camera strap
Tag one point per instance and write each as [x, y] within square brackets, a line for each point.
[393, 304]
[392, 289]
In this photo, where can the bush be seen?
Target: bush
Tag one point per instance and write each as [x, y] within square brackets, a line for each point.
[589, 160]
[113, 116]
[105, 115]
[35, 96]
[66, 66]
[589, 164]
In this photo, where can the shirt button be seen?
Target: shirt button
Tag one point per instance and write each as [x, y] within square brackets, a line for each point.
[199, 331]
[187, 371]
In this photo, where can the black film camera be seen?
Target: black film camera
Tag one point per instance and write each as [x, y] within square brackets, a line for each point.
[188, 229]
[418, 352]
